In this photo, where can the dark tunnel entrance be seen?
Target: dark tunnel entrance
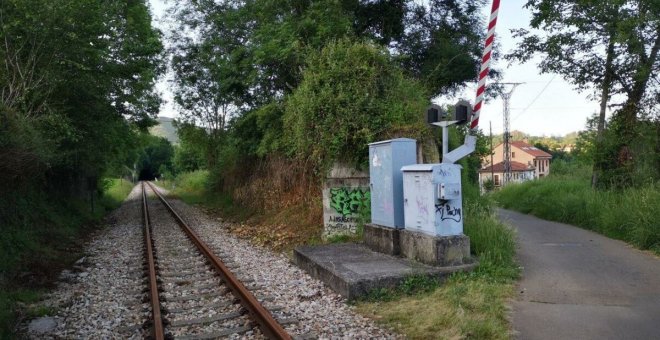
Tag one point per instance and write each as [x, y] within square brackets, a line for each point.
[147, 175]
[156, 159]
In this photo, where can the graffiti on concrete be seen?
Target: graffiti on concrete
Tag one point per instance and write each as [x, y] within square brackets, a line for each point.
[349, 201]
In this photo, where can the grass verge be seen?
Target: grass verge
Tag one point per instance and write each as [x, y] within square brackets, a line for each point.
[464, 306]
[41, 236]
[467, 305]
[629, 215]
[192, 188]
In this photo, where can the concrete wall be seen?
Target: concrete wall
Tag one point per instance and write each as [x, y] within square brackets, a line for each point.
[345, 193]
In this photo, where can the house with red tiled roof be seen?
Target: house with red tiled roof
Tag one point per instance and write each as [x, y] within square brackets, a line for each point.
[522, 152]
[519, 173]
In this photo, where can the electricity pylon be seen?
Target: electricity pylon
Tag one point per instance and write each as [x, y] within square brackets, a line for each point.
[507, 132]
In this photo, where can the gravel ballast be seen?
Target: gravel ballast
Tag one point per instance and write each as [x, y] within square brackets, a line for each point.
[101, 297]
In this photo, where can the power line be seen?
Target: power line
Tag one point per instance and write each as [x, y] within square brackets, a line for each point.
[535, 98]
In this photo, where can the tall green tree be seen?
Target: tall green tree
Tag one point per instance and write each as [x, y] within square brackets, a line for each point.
[609, 47]
[251, 55]
[442, 43]
[77, 81]
[262, 44]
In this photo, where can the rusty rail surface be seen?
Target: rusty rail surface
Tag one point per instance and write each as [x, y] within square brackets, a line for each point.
[268, 325]
[158, 331]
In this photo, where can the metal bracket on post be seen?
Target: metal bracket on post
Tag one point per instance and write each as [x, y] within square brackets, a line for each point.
[463, 110]
[455, 155]
[445, 134]
[467, 148]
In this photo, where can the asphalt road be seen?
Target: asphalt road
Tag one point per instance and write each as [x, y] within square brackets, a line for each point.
[577, 284]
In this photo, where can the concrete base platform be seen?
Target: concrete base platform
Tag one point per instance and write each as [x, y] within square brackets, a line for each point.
[382, 239]
[353, 270]
[436, 250]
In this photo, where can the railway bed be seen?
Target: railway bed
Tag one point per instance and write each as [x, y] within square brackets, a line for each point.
[104, 294]
[193, 293]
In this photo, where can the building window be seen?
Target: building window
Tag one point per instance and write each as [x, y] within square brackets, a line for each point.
[497, 180]
[513, 155]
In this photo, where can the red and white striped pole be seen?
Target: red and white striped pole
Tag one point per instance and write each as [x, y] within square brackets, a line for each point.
[485, 65]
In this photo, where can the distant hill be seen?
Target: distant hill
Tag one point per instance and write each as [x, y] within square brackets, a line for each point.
[165, 129]
[551, 142]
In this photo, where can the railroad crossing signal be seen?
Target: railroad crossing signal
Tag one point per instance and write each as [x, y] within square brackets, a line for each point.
[436, 115]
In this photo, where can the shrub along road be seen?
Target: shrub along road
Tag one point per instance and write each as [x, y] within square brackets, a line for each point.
[577, 284]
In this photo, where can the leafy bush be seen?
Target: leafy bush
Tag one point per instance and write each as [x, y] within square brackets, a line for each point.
[192, 181]
[352, 94]
[187, 158]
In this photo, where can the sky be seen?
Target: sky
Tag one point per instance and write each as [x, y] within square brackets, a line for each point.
[545, 105]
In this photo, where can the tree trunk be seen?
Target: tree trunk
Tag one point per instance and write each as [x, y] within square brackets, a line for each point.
[657, 148]
[605, 95]
[628, 114]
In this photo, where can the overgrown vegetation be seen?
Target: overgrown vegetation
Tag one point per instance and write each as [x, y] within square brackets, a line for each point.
[343, 79]
[314, 85]
[566, 196]
[623, 41]
[76, 88]
[43, 235]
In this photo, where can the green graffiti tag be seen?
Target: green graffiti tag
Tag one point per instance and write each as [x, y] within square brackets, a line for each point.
[348, 201]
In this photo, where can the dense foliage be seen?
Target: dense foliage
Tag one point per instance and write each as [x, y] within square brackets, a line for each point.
[314, 82]
[77, 82]
[76, 85]
[155, 158]
[611, 48]
[351, 95]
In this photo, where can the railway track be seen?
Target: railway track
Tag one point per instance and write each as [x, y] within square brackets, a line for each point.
[192, 293]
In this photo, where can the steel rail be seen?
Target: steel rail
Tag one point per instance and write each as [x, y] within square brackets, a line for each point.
[268, 325]
[158, 331]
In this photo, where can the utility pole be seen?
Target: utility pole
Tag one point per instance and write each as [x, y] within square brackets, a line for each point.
[507, 132]
[492, 168]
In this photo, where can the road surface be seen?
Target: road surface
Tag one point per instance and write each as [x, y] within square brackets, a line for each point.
[577, 284]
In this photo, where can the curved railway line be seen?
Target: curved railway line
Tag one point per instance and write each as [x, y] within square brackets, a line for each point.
[192, 293]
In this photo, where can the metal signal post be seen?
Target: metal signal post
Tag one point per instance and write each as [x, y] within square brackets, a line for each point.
[473, 111]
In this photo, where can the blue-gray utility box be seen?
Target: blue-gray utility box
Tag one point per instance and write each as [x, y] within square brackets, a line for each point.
[432, 198]
[386, 159]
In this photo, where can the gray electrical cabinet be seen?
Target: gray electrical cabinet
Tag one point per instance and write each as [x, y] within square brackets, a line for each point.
[386, 159]
[433, 199]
